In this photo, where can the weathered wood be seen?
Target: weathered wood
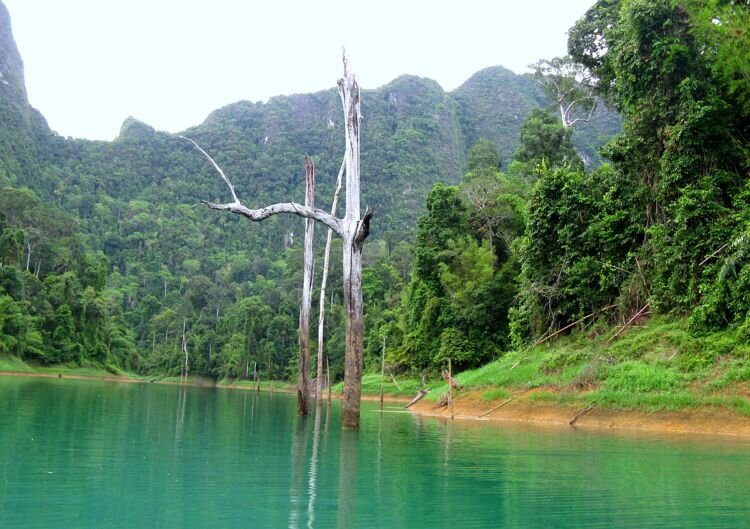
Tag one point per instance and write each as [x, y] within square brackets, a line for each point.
[355, 232]
[699, 264]
[448, 377]
[542, 340]
[352, 229]
[292, 208]
[451, 384]
[581, 414]
[420, 395]
[303, 373]
[395, 382]
[503, 403]
[328, 377]
[382, 374]
[631, 320]
[323, 285]
[184, 350]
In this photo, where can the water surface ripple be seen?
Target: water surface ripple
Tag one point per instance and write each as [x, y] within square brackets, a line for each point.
[87, 454]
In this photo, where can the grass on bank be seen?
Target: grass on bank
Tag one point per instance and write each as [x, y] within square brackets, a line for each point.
[265, 385]
[402, 387]
[16, 365]
[657, 366]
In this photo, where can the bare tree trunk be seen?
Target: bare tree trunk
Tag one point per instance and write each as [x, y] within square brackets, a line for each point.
[328, 378]
[355, 329]
[382, 375]
[450, 387]
[184, 349]
[323, 285]
[355, 232]
[352, 229]
[303, 377]
[28, 257]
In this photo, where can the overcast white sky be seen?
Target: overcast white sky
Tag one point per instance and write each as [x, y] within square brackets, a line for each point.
[92, 63]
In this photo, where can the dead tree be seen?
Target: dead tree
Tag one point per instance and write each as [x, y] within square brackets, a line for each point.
[570, 86]
[303, 378]
[323, 284]
[352, 229]
[185, 367]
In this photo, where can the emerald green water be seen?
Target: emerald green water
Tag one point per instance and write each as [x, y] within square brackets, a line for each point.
[80, 454]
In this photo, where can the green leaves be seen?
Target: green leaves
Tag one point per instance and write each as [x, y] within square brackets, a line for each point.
[546, 143]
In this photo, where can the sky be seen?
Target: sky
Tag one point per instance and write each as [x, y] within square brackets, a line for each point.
[90, 64]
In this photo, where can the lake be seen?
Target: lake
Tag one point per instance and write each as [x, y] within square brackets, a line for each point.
[89, 454]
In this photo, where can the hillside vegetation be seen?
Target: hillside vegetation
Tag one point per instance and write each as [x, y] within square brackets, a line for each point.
[496, 224]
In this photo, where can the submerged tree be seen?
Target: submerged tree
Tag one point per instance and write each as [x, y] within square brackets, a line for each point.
[323, 284]
[303, 377]
[353, 230]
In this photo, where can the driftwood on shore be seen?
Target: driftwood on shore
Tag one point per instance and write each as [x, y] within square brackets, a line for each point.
[581, 414]
[420, 394]
[627, 324]
[442, 401]
[452, 382]
[581, 320]
[503, 403]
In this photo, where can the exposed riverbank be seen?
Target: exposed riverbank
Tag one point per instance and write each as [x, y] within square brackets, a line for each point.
[525, 408]
[656, 376]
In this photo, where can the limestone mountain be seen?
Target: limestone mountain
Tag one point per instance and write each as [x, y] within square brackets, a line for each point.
[12, 84]
[23, 128]
[167, 269]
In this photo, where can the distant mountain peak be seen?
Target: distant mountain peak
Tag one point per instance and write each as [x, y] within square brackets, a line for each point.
[12, 84]
[135, 129]
[489, 74]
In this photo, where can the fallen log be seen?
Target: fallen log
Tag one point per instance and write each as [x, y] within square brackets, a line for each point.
[393, 379]
[545, 338]
[497, 407]
[503, 403]
[581, 414]
[420, 394]
[631, 320]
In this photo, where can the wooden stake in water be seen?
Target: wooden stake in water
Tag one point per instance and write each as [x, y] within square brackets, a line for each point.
[184, 373]
[450, 387]
[382, 375]
[328, 376]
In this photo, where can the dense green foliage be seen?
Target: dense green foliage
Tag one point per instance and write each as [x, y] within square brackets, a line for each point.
[660, 365]
[463, 284]
[664, 226]
[173, 276]
[111, 260]
[52, 292]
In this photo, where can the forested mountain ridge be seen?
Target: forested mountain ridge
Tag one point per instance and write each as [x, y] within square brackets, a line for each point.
[108, 255]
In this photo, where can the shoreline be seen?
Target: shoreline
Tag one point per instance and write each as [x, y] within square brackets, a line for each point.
[192, 382]
[704, 420]
[470, 406]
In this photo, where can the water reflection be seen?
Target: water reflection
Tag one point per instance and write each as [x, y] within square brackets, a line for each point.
[180, 420]
[347, 505]
[299, 464]
[312, 482]
[82, 454]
